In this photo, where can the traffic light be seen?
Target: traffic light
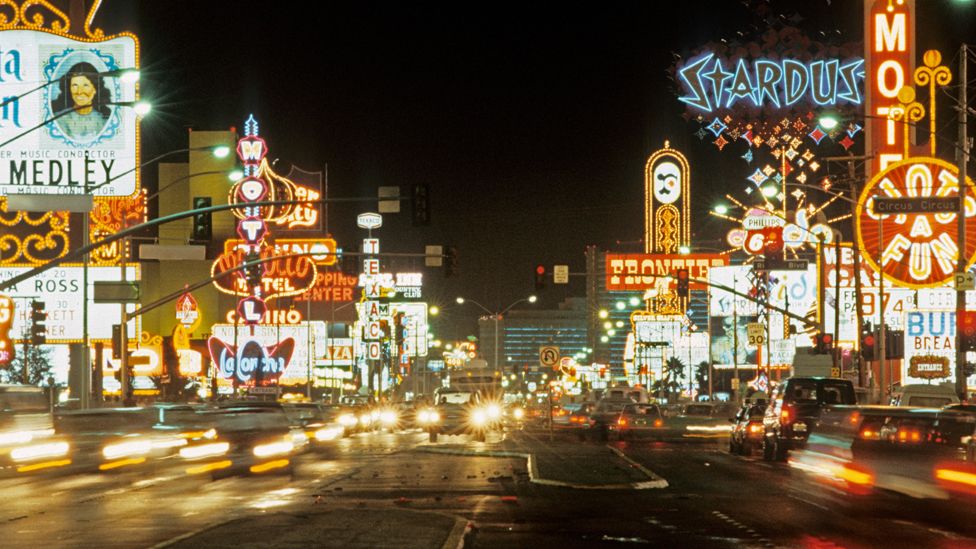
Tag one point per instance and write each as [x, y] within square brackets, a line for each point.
[540, 277]
[202, 222]
[117, 343]
[967, 330]
[350, 260]
[773, 243]
[253, 273]
[682, 276]
[869, 343]
[450, 262]
[421, 206]
[38, 330]
[398, 330]
[823, 344]
[894, 344]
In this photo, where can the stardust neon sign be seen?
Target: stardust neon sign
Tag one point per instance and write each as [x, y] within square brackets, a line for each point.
[712, 84]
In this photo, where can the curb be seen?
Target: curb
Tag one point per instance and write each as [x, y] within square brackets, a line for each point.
[533, 469]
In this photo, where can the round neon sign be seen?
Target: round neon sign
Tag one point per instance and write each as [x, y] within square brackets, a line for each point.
[917, 250]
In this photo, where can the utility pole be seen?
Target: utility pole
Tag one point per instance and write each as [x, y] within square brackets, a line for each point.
[963, 156]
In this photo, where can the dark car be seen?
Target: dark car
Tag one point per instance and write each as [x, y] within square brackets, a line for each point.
[795, 407]
[605, 414]
[747, 428]
[108, 439]
[640, 421]
[922, 453]
[251, 437]
[319, 422]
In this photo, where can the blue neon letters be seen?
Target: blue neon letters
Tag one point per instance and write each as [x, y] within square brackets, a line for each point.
[709, 86]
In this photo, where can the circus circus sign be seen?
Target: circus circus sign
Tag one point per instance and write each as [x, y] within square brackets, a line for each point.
[915, 250]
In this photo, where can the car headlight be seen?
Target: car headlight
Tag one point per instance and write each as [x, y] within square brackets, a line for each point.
[428, 416]
[328, 433]
[518, 413]
[493, 411]
[298, 438]
[37, 451]
[126, 449]
[388, 417]
[212, 449]
[365, 419]
[273, 448]
[478, 417]
[348, 420]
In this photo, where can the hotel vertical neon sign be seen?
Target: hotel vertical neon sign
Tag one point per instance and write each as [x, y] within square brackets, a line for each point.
[889, 52]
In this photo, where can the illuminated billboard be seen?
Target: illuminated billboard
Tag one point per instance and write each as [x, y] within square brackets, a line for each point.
[262, 348]
[85, 140]
[60, 289]
[629, 272]
[914, 250]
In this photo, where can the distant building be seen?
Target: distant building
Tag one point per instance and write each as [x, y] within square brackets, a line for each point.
[521, 332]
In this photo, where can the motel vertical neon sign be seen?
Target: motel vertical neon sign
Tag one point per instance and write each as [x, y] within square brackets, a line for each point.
[889, 52]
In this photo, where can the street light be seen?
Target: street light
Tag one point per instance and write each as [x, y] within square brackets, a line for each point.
[497, 316]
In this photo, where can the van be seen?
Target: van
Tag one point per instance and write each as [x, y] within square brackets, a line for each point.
[637, 394]
[795, 408]
[926, 396]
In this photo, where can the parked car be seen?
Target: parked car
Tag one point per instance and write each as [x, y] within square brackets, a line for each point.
[795, 407]
[747, 428]
[640, 421]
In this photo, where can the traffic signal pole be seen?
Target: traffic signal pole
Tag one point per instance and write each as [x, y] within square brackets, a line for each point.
[962, 259]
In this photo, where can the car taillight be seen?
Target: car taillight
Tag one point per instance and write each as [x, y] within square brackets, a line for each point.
[755, 428]
[786, 414]
[658, 423]
[622, 421]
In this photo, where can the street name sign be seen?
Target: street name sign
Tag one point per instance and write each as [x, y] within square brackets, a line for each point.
[921, 205]
[761, 264]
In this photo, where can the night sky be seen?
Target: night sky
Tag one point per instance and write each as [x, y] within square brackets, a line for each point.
[530, 123]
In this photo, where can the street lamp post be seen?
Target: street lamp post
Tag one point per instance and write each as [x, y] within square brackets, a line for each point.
[496, 316]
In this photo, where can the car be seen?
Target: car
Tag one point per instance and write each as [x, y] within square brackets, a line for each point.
[459, 412]
[702, 420]
[747, 428]
[108, 439]
[252, 437]
[605, 414]
[796, 405]
[924, 395]
[319, 422]
[640, 421]
[877, 451]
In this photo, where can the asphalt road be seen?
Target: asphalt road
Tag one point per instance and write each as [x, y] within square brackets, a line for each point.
[396, 490]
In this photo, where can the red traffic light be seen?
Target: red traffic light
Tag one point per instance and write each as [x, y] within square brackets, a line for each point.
[540, 270]
[827, 339]
[681, 274]
[868, 341]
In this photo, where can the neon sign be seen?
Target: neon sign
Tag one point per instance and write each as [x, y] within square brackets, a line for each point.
[251, 363]
[321, 250]
[627, 272]
[889, 47]
[712, 84]
[282, 277]
[6, 319]
[914, 250]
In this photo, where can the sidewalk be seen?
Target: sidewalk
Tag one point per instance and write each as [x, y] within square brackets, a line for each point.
[355, 528]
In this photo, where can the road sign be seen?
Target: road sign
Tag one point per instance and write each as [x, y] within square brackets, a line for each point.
[761, 264]
[964, 281]
[922, 205]
[835, 372]
[756, 334]
[560, 274]
[114, 291]
[549, 356]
